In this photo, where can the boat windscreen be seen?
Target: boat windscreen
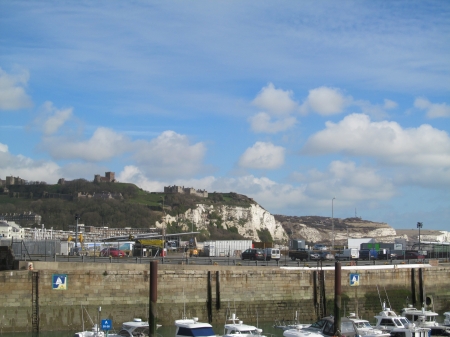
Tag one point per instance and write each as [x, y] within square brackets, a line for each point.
[404, 321]
[196, 332]
[347, 327]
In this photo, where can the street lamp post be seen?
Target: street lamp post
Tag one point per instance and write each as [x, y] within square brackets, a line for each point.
[419, 225]
[164, 228]
[332, 223]
[76, 235]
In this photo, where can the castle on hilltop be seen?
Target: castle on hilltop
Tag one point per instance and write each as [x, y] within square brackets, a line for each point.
[188, 190]
[12, 181]
[110, 177]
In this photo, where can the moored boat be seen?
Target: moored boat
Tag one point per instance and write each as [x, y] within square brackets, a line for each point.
[388, 320]
[425, 319]
[192, 327]
[447, 318]
[237, 328]
[364, 328]
[324, 327]
[136, 328]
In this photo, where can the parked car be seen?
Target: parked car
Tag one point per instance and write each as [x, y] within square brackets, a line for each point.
[319, 246]
[314, 256]
[114, 252]
[411, 256]
[347, 254]
[272, 254]
[368, 254]
[253, 254]
[387, 255]
[325, 255]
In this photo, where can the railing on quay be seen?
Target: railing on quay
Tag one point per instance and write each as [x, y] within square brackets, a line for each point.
[231, 261]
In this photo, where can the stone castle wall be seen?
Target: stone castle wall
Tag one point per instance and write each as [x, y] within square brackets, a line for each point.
[266, 293]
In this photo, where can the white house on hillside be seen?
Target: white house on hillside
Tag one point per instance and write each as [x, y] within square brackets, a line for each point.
[9, 230]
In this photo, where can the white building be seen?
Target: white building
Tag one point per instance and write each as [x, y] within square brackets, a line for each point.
[9, 230]
[356, 243]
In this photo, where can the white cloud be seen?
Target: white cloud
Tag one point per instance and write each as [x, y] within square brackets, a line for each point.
[389, 104]
[103, 145]
[262, 122]
[275, 101]
[3, 147]
[325, 101]
[27, 168]
[50, 119]
[12, 92]
[434, 110]
[349, 182]
[132, 174]
[169, 155]
[385, 141]
[263, 156]
[376, 111]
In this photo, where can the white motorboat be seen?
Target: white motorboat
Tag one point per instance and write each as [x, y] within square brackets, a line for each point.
[238, 329]
[364, 328]
[447, 318]
[423, 318]
[286, 325]
[323, 328]
[410, 331]
[426, 319]
[388, 320]
[398, 326]
[94, 332]
[136, 328]
[192, 327]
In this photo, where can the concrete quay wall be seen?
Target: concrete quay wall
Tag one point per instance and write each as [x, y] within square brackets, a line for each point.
[254, 293]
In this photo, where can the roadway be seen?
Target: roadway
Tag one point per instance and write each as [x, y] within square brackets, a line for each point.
[180, 258]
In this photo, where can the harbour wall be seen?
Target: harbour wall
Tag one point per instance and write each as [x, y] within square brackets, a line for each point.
[262, 293]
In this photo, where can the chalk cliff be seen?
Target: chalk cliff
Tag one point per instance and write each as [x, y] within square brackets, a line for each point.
[247, 220]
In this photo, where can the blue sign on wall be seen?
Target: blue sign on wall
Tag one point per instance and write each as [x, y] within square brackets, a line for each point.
[106, 324]
[59, 281]
[354, 280]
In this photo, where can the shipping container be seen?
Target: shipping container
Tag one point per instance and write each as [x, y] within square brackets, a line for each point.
[296, 244]
[232, 248]
[262, 245]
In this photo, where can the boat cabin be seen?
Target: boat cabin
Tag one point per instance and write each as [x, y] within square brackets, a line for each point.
[238, 328]
[388, 320]
[447, 318]
[193, 328]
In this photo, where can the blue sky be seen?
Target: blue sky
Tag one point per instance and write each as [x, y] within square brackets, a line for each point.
[292, 103]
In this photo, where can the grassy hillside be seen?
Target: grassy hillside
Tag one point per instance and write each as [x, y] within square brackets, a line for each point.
[138, 208]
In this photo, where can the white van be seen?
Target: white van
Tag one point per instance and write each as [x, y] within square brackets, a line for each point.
[272, 254]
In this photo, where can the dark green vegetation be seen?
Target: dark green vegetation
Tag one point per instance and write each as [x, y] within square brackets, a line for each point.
[58, 204]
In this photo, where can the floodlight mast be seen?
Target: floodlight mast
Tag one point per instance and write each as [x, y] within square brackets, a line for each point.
[332, 223]
[77, 217]
[419, 225]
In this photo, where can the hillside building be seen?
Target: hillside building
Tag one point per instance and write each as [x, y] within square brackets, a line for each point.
[11, 230]
[110, 177]
[10, 180]
[188, 190]
[25, 218]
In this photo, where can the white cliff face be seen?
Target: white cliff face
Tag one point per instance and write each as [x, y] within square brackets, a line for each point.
[308, 233]
[247, 221]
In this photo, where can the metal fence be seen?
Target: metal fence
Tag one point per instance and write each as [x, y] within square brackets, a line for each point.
[29, 248]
